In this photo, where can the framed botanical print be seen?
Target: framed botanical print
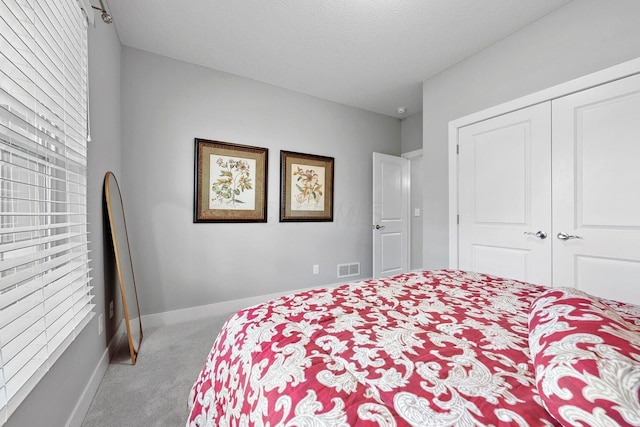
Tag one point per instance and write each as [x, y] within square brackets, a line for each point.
[230, 182]
[306, 187]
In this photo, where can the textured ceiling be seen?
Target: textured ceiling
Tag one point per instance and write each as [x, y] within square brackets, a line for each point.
[370, 54]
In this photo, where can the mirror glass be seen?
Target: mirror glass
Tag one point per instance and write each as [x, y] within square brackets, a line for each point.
[124, 264]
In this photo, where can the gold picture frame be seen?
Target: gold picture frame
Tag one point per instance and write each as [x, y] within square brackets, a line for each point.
[306, 187]
[230, 182]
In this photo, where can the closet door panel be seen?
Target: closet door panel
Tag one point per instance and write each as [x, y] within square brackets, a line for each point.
[504, 192]
[596, 190]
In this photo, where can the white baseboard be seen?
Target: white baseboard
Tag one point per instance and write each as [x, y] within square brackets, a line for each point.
[82, 406]
[219, 309]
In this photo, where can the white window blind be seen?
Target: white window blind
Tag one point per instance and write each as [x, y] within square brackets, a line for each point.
[45, 287]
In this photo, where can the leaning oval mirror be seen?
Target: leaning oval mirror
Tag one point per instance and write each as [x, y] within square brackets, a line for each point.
[124, 265]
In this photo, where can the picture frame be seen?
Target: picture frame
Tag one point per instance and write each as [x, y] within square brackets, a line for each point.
[306, 187]
[230, 182]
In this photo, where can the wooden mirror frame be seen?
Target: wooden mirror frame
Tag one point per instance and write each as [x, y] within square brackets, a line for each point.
[124, 264]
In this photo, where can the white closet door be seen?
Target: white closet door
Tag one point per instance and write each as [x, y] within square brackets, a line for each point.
[596, 190]
[504, 191]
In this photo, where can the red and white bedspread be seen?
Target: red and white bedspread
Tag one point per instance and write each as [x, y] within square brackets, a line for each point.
[440, 348]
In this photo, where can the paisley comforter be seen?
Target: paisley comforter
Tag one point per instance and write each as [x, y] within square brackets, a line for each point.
[439, 348]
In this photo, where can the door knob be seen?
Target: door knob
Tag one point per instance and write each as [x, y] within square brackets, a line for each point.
[539, 234]
[565, 236]
[378, 227]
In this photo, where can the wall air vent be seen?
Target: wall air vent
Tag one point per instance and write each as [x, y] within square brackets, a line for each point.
[349, 270]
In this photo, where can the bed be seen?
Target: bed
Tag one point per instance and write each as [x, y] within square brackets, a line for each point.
[434, 348]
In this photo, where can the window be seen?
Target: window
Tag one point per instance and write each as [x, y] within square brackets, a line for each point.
[45, 287]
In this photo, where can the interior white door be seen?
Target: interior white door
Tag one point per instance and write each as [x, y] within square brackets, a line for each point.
[390, 215]
[596, 190]
[504, 195]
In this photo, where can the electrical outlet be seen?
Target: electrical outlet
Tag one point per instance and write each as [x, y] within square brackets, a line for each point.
[111, 310]
[316, 269]
[100, 323]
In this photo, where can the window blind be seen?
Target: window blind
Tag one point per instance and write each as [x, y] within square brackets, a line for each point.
[45, 286]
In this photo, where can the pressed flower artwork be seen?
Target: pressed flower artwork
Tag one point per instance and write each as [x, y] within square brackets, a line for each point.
[230, 182]
[306, 187]
[307, 193]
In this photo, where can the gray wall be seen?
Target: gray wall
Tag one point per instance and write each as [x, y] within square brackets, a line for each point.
[580, 38]
[179, 264]
[55, 397]
[411, 133]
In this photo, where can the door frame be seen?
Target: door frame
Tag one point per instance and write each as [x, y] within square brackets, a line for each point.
[414, 188]
[598, 78]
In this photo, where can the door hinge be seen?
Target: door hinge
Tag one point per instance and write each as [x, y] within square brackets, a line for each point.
[458, 149]
[458, 219]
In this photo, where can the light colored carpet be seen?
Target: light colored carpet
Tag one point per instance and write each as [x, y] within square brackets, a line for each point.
[154, 392]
